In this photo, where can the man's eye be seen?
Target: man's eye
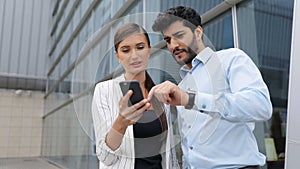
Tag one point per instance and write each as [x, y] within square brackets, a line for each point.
[167, 40]
[179, 36]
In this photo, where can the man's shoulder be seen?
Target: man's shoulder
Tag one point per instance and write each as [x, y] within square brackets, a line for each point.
[230, 51]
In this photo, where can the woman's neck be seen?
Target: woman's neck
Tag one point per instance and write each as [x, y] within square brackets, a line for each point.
[141, 77]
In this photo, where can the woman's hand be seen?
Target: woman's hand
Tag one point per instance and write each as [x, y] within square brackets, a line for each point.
[127, 116]
[130, 115]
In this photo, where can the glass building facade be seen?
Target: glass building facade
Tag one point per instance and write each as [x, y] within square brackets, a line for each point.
[81, 54]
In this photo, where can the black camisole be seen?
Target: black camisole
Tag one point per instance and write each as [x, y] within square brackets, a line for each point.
[148, 139]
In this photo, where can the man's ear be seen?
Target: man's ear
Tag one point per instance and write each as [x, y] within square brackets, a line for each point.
[199, 32]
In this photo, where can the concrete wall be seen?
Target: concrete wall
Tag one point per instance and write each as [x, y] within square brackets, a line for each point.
[20, 123]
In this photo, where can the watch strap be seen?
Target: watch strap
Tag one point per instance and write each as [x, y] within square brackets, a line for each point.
[191, 101]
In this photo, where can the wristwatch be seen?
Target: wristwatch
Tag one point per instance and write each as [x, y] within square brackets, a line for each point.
[191, 101]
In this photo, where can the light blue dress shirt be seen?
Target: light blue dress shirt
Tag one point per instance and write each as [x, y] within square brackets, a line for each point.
[230, 97]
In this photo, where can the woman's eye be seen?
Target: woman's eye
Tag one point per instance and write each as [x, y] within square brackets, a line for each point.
[125, 50]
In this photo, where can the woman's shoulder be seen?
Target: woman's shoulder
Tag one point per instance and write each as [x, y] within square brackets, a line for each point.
[103, 84]
[108, 83]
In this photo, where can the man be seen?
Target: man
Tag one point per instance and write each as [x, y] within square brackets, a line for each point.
[221, 96]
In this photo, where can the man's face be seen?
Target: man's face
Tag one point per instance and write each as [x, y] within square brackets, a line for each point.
[181, 42]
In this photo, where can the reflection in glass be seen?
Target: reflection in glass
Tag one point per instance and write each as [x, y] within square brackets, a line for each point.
[264, 31]
[219, 31]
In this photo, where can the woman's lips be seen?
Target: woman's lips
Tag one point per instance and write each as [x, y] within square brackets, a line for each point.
[136, 64]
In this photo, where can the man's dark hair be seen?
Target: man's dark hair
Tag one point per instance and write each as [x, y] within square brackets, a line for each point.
[187, 15]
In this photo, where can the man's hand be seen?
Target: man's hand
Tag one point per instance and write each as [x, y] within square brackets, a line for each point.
[170, 93]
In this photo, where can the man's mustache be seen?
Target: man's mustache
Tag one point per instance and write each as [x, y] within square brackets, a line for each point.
[179, 50]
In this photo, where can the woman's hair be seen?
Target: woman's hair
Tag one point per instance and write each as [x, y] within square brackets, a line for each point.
[127, 30]
[161, 115]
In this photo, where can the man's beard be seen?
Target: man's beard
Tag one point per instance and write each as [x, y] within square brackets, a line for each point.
[191, 53]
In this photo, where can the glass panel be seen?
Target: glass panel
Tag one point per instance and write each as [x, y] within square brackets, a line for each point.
[132, 13]
[65, 142]
[264, 31]
[200, 6]
[74, 50]
[162, 66]
[68, 133]
[54, 100]
[84, 5]
[102, 14]
[77, 15]
[59, 70]
[219, 32]
[116, 5]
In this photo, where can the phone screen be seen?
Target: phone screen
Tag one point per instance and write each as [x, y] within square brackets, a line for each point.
[133, 85]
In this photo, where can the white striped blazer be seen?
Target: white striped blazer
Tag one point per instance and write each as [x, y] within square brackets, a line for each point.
[105, 109]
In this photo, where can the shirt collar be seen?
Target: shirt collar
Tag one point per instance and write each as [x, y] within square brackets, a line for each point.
[202, 57]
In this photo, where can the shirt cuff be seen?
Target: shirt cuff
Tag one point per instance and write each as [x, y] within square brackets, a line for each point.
[107, 155]
[204, 102]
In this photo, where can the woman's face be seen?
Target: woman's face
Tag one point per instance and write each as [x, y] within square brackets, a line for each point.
[133, 53]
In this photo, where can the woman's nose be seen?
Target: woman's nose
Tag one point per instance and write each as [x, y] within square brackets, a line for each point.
[134, 54]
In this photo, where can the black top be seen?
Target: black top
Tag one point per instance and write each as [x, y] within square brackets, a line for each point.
[148, 140]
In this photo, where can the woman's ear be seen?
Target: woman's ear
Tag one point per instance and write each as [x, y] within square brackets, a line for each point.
[117, 55]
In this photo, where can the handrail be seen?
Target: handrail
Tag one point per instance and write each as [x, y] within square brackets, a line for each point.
[63, 28]
[59, 16]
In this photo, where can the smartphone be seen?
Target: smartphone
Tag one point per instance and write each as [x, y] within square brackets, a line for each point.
[133, 85]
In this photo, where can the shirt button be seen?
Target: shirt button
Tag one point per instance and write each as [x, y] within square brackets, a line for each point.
[203, 106]
[189, 126]
[191, 147]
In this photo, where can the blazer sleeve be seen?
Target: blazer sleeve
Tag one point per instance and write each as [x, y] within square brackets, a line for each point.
[102, 121]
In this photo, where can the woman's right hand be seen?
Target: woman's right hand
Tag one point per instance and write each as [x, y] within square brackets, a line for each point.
[130, 115]
[127, 116]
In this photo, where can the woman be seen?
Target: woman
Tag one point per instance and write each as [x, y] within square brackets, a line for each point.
[135, 136]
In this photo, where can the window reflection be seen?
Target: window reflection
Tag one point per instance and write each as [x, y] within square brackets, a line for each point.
[264, 29]
[219, 32]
